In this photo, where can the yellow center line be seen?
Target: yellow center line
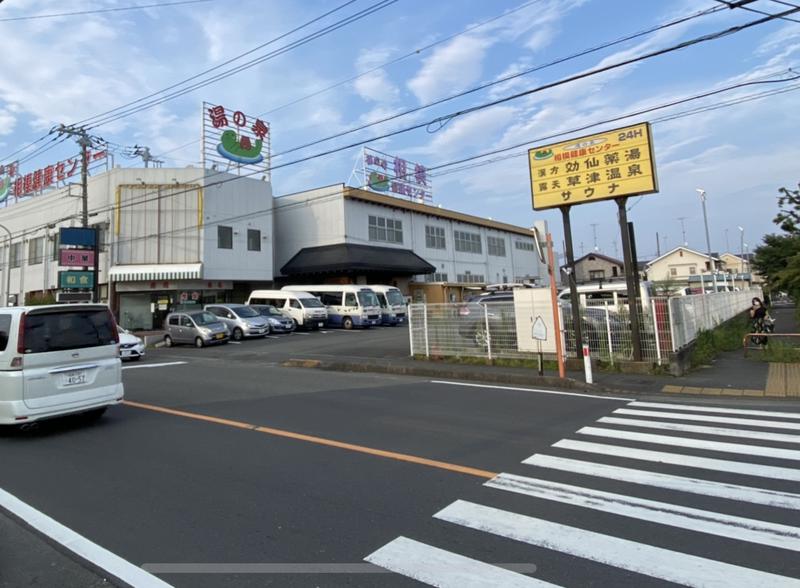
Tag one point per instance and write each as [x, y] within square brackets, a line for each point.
[442, 465]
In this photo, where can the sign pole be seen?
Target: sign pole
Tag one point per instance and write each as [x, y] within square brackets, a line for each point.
[96, 268]
[551, 264]
[573, 285]
[630, 279]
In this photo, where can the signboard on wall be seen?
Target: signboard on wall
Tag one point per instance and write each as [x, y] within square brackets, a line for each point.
[596, 167]
[76, 280]
[390, 174]
[234, 141]
[78, 236]
[76, 258]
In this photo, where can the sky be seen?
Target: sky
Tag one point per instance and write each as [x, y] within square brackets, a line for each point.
[66, 69]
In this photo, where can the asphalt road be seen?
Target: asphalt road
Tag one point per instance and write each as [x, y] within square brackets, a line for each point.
[226, 465]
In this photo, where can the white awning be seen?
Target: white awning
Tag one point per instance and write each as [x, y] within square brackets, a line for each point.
[163, 271]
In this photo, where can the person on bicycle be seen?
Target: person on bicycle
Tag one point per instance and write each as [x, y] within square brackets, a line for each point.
[758, 314]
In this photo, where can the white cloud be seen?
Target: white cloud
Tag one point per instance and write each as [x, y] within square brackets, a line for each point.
[375, 86]
[476, 129]
[453, 67]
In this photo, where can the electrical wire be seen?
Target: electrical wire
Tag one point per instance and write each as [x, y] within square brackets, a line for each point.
[101, 10]
[735, 5]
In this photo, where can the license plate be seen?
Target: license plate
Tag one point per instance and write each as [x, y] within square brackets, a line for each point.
[320, 324]
[126, 352]
[219, 336]
[75, 378]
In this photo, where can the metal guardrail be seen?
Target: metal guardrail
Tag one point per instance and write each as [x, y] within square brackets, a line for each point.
[748, 336]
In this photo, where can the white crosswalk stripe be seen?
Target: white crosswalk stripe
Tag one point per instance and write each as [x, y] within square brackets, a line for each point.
[681, 445]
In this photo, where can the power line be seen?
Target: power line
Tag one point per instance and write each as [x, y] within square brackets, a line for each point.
[742, 4]
[97, 121]
[101, 10]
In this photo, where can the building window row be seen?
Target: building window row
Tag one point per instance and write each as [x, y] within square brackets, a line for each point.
[387, 230]
[468, 242]
[524, 245]
[496, 246]
[225, 238]
[470, 278]
[434, 238]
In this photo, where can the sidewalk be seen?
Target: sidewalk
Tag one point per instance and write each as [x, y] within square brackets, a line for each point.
[730, 374]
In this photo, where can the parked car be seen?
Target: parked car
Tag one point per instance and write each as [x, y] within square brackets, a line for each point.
[473, 314]
[594, 328]
[348, 305]
[393, 305]
[130, 346]
[305, 309]
[277, 322]
[242, 320]
[198, 328]
[57, 360]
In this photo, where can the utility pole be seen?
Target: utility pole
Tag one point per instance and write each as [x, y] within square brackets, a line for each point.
[85, 142]
[658, 245]
[594, 235]
[683, 230]
[712, 265]
[147, 158]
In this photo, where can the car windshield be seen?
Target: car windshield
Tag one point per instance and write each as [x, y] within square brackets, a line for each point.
[202, 319]
[245, 311]
[395, 297]
[367, 298]
[311, 303]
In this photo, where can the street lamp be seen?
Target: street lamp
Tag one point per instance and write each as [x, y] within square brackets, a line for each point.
[708, 238]
[8, 265]
[741, 246]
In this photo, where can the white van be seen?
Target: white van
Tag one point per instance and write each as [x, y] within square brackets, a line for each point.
[393, 304]
[57, 360]
[615, 293]
[348, 305]
[306, 310]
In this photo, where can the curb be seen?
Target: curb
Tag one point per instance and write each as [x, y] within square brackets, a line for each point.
[456, 374]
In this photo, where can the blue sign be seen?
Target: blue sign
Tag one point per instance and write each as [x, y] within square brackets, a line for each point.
[78, 236]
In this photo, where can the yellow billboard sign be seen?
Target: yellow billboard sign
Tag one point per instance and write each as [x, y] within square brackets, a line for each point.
[598, 167]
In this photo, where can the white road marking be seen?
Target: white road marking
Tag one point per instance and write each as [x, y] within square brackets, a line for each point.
[657, 562]
[703, 430]
[93, 553]
[669, 481]
[152, 365]
[271, 337]
[581, 395]
[710, 419]
[662, 513]
[304, 334]
[235, 342]
[706, 463]
[701, 408]
[444, 569]
[721, 446]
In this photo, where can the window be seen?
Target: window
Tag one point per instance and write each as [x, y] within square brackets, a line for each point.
[224, 237]
[185, 322]
[55, 253]
[385, 229]
[5, 326]
[434, 237]
[74, 329]
[435, 277]
[294, 304]
[673, 271]
[350, 299]
[16, 254]
[36, 251]
[470, 278]
[253, 240]
[614, 272]
[102, 229]
[524, 245]
[468, 242]
[597, 274]
[693, 270]
[496, 246]
[331, 298]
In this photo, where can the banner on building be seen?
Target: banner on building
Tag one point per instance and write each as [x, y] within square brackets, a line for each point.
[76, 280]
[389, 174]
[235, 142]
[597, 167]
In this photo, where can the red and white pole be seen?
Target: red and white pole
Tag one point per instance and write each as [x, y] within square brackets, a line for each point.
[587, 364]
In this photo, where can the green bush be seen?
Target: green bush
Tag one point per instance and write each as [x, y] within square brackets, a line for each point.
[726, 337]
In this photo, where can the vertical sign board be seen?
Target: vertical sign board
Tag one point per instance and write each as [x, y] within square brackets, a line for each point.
[76, 258]
[611, 165]
[74, 280]
[77, 236]
[235, 141]
[85, 255]
[389, 174]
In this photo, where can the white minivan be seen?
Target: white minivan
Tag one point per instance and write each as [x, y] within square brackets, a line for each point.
[615, 293]
[306, 310]
[393, 304]
[57, 360]
[348, 305]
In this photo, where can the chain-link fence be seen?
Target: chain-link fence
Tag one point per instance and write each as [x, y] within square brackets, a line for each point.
[495, 330]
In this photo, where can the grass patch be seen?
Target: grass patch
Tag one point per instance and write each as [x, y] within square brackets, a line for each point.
[548, 365]
[779, 352]
[726, 337]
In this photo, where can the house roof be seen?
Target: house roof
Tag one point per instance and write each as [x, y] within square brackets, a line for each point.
[714, 256]
[601, 256]
[352, 258]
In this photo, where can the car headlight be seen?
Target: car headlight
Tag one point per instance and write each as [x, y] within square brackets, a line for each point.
[205, 330]
[274, 322]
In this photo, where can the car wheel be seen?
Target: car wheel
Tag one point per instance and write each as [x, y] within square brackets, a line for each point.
[268, 331]
[168, 341]
[480, 337]
[95, 414]
[198, 342]
[347, 323]
[237, 334]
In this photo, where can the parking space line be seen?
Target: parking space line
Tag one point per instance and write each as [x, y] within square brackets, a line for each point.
[235, 342]
[98, 556]
[152, 365]
[540, 391]
[318, 440]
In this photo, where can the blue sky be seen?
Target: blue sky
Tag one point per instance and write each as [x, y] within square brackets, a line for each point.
[69, 68]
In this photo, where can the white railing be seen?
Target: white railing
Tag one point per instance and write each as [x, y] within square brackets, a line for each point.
[489, 330]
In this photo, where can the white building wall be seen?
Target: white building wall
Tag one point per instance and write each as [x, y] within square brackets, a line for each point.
[308, 219]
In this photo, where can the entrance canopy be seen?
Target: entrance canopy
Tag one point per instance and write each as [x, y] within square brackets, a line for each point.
[352, 258]
[161, 271]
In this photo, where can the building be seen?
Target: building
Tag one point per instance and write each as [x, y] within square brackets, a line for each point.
[689, 268]
[595, 267]
[169, 238]
[339, 234]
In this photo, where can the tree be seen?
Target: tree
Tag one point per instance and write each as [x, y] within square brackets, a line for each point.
[788, 218]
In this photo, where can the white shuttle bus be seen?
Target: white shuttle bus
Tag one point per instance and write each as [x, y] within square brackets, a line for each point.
[306, 310]
[393, 304]
[348, 305]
